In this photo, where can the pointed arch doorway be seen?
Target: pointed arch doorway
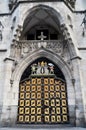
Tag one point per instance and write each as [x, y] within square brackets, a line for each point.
[42, 94]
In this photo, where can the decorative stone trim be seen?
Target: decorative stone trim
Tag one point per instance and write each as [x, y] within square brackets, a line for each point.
[24, 47]
[82, 48]
[68, 40]
[3, 50]
[8, 58]
[76, 57]
[17, 33]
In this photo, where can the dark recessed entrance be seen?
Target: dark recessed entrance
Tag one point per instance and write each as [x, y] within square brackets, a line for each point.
[42, 33]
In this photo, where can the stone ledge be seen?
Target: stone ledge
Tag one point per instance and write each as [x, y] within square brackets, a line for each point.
[82, 48]
[3, 50]
[43, 126]
[76, 57]
[9, 58]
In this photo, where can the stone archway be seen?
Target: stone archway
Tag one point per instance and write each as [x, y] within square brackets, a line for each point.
[59, 62]
[42, 94]
[58, 21]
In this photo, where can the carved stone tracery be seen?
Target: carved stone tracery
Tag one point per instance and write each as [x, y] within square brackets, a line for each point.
[24, 47]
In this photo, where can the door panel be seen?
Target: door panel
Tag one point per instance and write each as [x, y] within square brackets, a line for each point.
[42, 100]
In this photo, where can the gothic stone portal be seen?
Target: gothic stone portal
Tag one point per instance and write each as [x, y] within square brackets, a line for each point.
[42, 96]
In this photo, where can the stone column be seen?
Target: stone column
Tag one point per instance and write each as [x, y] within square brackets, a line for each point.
[2, 55]
[7, 92]
[79, 110]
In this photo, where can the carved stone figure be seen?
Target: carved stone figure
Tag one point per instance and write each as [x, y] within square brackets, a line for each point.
[34, 68]
[42, 68]
[51, 68]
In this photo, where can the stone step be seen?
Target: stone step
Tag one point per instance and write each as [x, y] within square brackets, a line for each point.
[62, 128]
[43, 126]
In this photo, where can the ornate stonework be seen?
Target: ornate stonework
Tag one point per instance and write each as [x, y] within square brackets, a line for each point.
[42, 68]
[22, 48]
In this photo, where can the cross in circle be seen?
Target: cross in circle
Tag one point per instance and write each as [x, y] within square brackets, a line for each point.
[42, 36]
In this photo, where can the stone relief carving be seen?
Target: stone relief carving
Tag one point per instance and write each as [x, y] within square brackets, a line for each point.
[68, 40]
[22, 48]
[17, 33]
[42, 68]
[56, 46]
[68, 51]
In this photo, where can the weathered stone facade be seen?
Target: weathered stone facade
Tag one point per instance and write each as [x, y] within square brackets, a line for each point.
[68, 52]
